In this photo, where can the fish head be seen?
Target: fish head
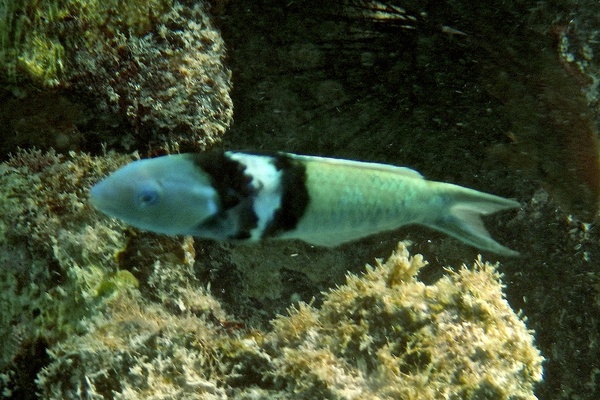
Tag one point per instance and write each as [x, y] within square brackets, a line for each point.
[168, 195]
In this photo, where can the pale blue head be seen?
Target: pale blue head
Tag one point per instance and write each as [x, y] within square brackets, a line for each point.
[169, 195]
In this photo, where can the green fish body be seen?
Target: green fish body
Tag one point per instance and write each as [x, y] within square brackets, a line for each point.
[322, 201]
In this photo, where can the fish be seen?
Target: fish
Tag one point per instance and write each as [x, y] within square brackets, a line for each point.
[248, 197]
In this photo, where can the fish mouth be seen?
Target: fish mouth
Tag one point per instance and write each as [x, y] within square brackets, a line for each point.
[100, 197]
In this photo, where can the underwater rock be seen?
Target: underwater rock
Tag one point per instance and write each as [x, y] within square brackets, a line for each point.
[156, 67]
[386, 335]
[382, 335]
[552, 107]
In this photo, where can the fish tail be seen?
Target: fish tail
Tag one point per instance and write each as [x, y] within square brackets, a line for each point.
[462, 219]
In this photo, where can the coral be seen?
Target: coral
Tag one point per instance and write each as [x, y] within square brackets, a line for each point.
[156, 66]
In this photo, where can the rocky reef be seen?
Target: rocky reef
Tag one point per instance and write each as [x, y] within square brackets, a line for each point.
[125, 313]
[386, 335]
[145, 74]
[501, 97]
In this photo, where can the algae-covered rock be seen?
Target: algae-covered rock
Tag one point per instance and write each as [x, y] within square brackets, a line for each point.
[54, 251]
[137, 351]
[385, 335]
[38, 36]
[154, 69]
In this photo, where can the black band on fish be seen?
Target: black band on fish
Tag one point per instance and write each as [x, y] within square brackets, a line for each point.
[294, 196]
[228, 177]
[236, 217]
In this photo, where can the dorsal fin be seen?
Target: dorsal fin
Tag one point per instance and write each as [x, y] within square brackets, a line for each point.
[409, 173]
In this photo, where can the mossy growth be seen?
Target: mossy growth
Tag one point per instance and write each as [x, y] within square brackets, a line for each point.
[386, 335]
[34, 34]
[53, 249]
[383, 335]
[145, 73]
[138, 350]
[60, 264]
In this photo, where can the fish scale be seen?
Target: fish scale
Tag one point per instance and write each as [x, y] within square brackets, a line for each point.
[351, 197]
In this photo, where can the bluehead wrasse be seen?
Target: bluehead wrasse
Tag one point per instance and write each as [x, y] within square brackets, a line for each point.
[322, 201]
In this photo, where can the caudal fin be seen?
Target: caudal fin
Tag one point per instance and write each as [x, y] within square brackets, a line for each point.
[463, 219]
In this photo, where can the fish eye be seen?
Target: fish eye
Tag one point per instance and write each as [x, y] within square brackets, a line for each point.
[147, 197]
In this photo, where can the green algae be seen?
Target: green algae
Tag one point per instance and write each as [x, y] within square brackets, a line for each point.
[116, 281]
